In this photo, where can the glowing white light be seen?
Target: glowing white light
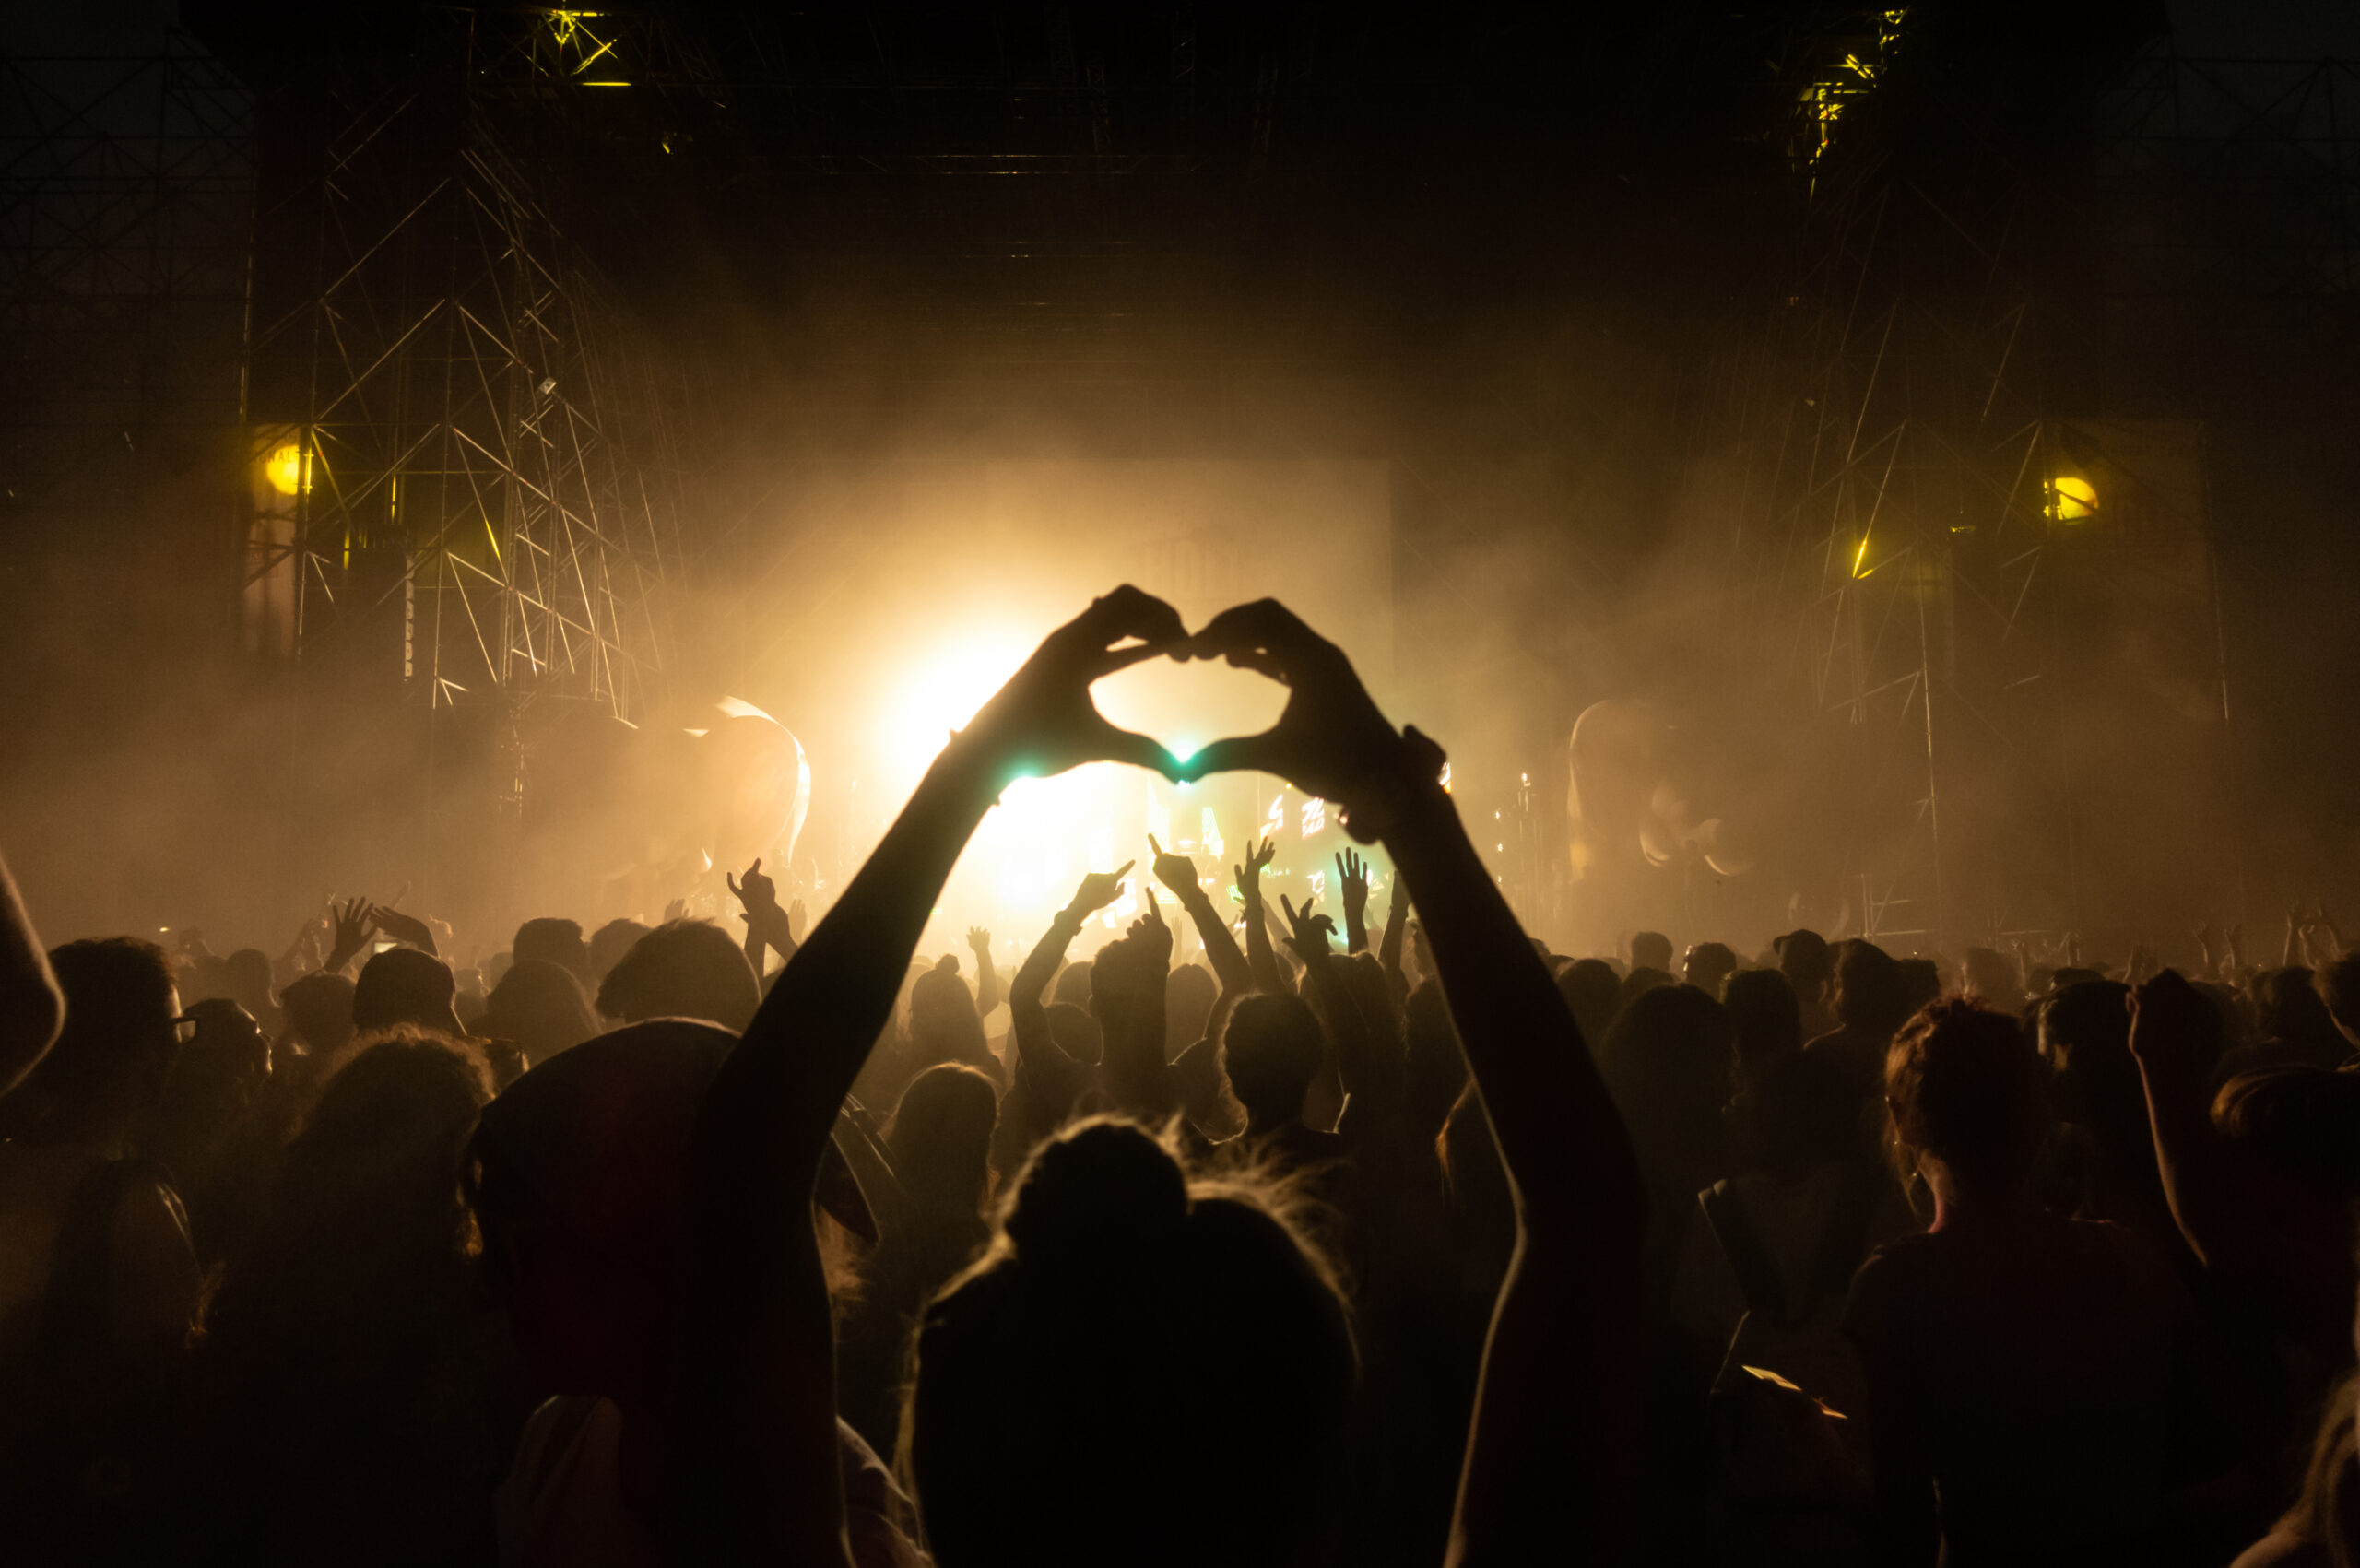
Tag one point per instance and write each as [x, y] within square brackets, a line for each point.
[940, 694]
[1210, 836]
[1314, 816]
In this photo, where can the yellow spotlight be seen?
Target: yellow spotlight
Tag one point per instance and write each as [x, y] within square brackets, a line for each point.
[2072, 497]
[287, 471]
[1860, 557]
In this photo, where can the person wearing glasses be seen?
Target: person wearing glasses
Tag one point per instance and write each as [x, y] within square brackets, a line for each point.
[99, 1279]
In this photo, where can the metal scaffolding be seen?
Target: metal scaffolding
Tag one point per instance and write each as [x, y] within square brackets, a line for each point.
[1894, 518]
[489, 497]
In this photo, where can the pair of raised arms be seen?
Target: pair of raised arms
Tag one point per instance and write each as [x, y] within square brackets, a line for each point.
[752, 1471]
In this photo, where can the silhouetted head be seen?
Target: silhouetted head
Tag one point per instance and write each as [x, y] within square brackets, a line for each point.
[2084, 1034]
[1766, 1024]
[1435, 1066]
[609, 943]
[1707, 966]
[366, 1230]
[1991, 979]
[940, 1136]
[1271, 1050]
[1137, 1368]
[1189, 998]
[1921, 982]
[1871, 997]
[1651, 949]
[2288, 1009]
[247, 975]
[1963, 1087]
[579, 1180]
[114, 1049]
[553, 941]
[2304, 1122]
[538, 1006]
[213, 1082]
[403, 987]
[943, 1021]
[318, 1010]
[684, 969]
[1809, 966]
[1639, 983]
[1124, 974]
[1073, 986]
[1594, 992]
[1669, 1063]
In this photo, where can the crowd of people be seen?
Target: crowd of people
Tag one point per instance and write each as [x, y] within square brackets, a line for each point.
[1392, 1240]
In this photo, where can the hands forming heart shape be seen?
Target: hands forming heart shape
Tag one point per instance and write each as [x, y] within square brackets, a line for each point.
[1330, 741]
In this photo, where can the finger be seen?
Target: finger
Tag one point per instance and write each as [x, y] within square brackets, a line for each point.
[1257, 660]
[1155, 847]
[1122, 658]
[1124, 869]
[755, 867]
[732, 881]
[1264, 624]
[1287, 907]
[1133, 612]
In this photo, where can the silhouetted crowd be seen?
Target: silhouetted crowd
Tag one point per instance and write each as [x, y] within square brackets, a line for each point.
[1252, 1237]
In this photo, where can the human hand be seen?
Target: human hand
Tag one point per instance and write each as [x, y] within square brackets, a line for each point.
[1307, 933]
[1042, 721]
[1153, 935]
[1097, 890]
[979, 942]
[352, 922]
[1177, 872]
[757, 894]
[677, 909]
[1330, 740]
[1249, 875]
[1352, 877]
[406, 929]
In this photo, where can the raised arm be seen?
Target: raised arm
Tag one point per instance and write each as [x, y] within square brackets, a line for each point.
[32, 1009]
[1367, 1079]
[1260, 957]
[750, 1470]
[1127, 985]
[989, 992]
[769, 928]
[1351, 880]
[1548, 1452]
[1178, 873]
[1054, 1076]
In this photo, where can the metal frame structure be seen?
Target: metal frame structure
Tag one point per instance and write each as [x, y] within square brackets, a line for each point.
[1926, 379]
[490, 501]
[1895, 520]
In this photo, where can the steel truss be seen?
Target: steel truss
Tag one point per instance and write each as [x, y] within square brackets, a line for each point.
[1923, 383]
[491, 506]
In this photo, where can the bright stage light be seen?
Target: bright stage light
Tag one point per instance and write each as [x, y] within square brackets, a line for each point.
[2072, 497]
[285, 469]
[939, 695]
